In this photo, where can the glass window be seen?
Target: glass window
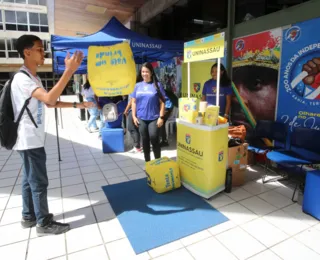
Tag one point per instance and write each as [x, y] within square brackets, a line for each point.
[9, 1]
[22, 17]
[0, 16]
[11, 44]
[23, 28]
[2, 54]
[1, 26]
[33, 18]
[34, 28]
[10, 16]
[43, 19]
[13, 54]
[2, 45]
[44, 29]
[42, 2]
[11, 27]
[21, 1]
[33, 2]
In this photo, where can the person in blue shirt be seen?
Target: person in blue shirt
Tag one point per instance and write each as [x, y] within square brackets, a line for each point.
[210, 89]
[148, 108]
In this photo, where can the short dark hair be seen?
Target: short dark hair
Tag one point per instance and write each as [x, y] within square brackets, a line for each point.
[25, 42]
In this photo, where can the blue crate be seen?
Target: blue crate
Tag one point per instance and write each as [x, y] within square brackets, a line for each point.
[311, 196]
[112, 140]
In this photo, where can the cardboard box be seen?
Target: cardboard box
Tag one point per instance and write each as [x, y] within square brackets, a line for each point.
[244, 154]
[238, 177]
[251, 158]
[238, 160]
[234, 156]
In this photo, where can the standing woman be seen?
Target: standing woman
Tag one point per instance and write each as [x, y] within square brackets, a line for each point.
[88, 94]
[148, 109]
[209, 91]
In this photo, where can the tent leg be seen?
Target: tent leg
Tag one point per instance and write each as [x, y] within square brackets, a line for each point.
[61, 117]
[57, 132]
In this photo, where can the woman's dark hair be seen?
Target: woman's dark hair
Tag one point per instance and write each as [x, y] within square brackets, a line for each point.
[87, 85]
[26, 42]
[154, 78]
[224, 80]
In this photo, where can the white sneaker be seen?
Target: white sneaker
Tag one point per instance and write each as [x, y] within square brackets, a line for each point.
[136, 150]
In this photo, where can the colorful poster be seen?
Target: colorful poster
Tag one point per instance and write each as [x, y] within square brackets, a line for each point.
[256, 60]
[299, 84]
[202, 165]
[207, 48]
[111, 70]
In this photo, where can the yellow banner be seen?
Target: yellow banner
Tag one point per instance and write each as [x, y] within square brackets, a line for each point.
[199, 74]
[111, 70]
[207, 48]
[202, 163]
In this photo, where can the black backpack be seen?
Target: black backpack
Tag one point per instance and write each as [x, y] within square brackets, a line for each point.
[9, 128]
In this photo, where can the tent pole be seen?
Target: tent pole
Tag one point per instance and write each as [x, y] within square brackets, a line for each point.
[188, 79]
[218, 83]
[55, 110]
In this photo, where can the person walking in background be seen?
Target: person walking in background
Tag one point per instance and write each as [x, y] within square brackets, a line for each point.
[209, 91]
[88, 94]
[31, 136]
[133, 130]
[148, 108]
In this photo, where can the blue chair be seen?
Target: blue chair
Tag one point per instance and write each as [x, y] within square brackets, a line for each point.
[304, 150]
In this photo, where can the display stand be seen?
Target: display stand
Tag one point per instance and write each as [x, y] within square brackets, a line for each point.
[202, 151]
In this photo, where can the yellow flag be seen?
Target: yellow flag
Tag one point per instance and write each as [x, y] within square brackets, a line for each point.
[111, 70]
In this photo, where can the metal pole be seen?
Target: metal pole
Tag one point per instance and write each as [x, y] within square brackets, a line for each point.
[61, 117]
[188, 79]
[55, 110]
[230, 32]
[218, 83]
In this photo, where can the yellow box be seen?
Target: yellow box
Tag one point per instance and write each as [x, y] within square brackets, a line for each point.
[190, 116]
[211, 116]
[188, 109]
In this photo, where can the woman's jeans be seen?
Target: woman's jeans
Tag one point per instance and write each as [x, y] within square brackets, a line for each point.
[94, 112]
[134, 131]
[150, 133]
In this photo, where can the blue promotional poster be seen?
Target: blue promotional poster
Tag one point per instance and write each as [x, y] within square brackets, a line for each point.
[299, 83]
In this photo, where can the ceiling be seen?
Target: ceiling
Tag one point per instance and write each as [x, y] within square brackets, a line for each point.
[80, 17]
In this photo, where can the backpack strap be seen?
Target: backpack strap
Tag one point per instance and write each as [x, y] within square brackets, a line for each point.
[25, 105]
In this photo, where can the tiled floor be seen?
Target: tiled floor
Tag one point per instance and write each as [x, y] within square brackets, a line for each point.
[264, 223]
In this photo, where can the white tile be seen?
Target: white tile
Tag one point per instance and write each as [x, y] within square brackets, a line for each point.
[194, 238]
[13, 233]
[76, 202]
[111, 230]
[108, 166]
[14, 202]
[137, 176]
[12, 167]
[53, 175]
[276, 199]
[255, 188]
[17, 190]
[165, 249]
[96, 185]
[310, 238]
[119, 157]
[4, 201]
[97, 198]
[11, 216]
[8, 174]
[75, 244]
[79, 218]
[72, 180]
[56, 183]
[117, 180]
[104, 160]
[7, 182]
[296, 211]
[84, 163]
[113, 173]
[243, 246]
[264, 232]
[15, 251]
[286, 191]
[54, 194]
[5, 192]
[42, 247]
[207, 249]
[53, 167]
[60, 258]
[131, 169]
[220, 228]
[317, 227]
[91, 177]
[285, 222]
[19, 180]
[70, 172]
[179, 254]
[90, 169]
[258, 206]
[237, 213]
[99, 253]
[14, 161]
[55, 206]
[126, 163]
[293, 250]
[69, 165]
[220, 200]
[104, 212]
[74, 190]
[239, 194]
[86, 157]
[265, 255]
[122, 250]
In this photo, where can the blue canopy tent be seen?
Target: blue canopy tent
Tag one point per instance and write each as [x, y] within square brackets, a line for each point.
[144, 49]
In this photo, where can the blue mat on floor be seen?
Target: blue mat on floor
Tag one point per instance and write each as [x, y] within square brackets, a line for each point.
[151, 220]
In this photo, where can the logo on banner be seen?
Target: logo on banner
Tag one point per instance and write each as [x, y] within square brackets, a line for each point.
[220, 156]
[196, 87]
[214, 90]
[293, 34]
[240, 45]
[188, 139]
[186, 107]
[189, 54]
